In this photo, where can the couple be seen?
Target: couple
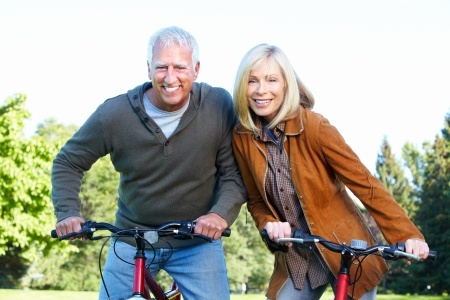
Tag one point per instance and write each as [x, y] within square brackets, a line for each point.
[265, 146]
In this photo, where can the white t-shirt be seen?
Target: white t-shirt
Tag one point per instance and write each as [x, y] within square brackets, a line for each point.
[166, 120]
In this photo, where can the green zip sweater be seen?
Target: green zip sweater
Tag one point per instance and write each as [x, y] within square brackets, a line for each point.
[181, 178]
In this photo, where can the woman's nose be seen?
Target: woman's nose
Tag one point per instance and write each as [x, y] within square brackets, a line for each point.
[261, 88]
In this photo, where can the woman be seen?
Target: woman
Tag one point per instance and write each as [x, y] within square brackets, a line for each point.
[296, 167]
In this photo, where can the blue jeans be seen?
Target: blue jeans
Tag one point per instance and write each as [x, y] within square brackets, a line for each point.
[289, 292]
[200, 270]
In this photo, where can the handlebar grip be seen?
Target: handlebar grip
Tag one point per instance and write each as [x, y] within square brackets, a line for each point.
[53, 234]
[226, 232]
[271, 245]
[432, 255]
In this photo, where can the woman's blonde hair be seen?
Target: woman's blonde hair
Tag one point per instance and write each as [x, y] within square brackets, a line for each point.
[296, 93]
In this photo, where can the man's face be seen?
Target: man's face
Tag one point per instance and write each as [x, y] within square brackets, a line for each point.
[172, 74]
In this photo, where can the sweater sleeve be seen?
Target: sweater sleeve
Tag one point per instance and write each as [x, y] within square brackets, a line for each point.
[230, 190]
[76, 157]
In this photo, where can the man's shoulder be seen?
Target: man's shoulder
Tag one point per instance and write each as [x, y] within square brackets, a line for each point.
[204, 90]
[127, 98]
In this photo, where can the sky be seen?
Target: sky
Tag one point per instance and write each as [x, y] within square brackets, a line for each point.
[377, 69]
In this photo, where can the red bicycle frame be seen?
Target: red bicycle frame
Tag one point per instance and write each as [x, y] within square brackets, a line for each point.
[144, 281]
[144, 285]
[343, 280]
[356, 249]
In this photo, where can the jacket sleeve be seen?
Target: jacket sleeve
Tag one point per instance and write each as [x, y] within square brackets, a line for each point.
[387, 213]
[256, 205]
[230, 190]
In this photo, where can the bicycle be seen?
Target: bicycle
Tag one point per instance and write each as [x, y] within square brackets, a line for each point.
[144, 284]
[349, 253]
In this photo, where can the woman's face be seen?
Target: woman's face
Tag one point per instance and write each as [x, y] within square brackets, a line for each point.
[265, 90]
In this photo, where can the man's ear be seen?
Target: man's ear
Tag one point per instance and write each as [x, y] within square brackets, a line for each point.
[197, 69]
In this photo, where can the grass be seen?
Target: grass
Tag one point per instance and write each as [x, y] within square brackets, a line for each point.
[69, 295]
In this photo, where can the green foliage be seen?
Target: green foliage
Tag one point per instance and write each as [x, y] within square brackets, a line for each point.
[79, 269]
[26, 213]
[392, 175]
[431, 179]
[248, 260]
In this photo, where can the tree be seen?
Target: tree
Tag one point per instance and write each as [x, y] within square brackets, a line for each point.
[391, 173]
[249, 262]
[77, 267]
[433, 217]
[26, 214]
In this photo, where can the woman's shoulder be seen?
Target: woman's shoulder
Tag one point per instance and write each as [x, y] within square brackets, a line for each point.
[313, 119]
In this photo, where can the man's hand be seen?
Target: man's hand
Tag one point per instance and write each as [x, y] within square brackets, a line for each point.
[211, 225]
[69, 225]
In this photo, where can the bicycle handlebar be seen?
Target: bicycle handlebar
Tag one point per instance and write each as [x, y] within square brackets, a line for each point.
[178, 230]
[357, 247]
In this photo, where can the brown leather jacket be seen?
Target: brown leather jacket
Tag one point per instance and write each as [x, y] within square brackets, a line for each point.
[322, 165]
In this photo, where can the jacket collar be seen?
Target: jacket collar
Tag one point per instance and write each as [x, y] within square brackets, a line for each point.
[294, 126]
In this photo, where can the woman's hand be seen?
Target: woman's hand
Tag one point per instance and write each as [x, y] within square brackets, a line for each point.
[417, 247]
[276, 230]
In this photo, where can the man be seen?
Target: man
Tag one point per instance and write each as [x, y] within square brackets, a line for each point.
[170, 140]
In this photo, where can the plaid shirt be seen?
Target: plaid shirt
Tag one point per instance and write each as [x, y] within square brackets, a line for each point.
[281, 193]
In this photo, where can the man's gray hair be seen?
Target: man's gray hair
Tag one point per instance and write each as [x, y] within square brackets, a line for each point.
[173, 35]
